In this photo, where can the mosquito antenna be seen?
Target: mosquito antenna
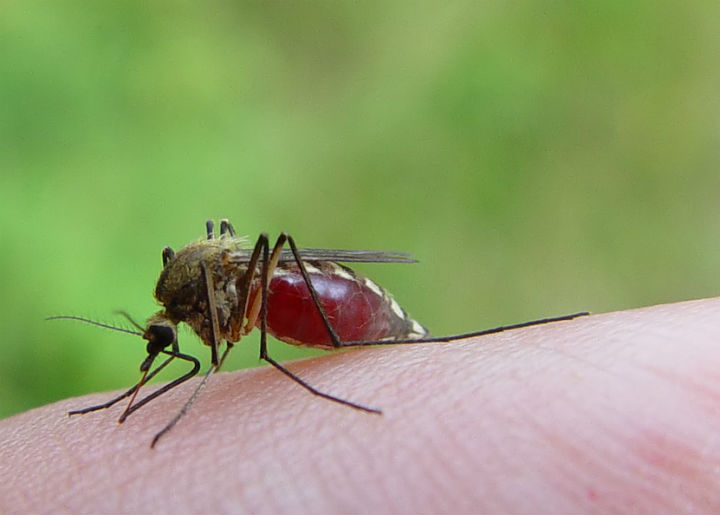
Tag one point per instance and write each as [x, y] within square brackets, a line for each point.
[93, 322]
[130, 319]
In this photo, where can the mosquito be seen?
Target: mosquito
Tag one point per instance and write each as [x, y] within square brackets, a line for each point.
[223, 289]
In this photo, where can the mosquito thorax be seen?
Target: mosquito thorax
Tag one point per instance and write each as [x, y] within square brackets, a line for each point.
[181, 270]
[181, 287]
[181, 276]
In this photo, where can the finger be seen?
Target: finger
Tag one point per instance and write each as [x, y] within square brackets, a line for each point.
[613, 412]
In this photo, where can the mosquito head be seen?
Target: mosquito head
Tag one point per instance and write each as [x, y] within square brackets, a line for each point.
[159, 333]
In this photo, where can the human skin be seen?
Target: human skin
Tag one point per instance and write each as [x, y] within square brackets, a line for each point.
[610, 413]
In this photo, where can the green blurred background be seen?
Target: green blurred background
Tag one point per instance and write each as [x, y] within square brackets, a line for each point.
[539, 158]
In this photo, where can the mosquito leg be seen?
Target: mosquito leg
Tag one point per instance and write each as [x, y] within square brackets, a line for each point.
[510, 327]
[210, 229]
[245, 284]
[337, 342]
[167, 255]
[212, 307]
[167, 387]
[144, 367]
[226, 227]
[267, 270]
[314, 390]
[243, 287]
[124, 395]
[228, 347]
[444, 339]
[186, 406]
[269, 265]
[263, 331]
[334, 338]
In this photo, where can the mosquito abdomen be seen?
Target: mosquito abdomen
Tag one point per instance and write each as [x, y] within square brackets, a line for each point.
[356, 307]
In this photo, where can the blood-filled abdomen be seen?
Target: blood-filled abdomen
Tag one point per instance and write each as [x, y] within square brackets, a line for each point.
[357, 308]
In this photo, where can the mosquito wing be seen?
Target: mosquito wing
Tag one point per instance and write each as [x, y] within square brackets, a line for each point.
[345, 256]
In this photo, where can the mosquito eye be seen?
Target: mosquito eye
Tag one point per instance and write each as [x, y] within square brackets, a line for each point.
[159, 336]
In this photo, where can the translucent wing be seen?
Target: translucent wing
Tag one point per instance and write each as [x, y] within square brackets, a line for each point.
[345, 256]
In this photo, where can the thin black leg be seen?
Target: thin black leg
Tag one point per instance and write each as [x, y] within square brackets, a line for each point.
[317, 392]
[263, 326]
[212, 308]
[243, 287]
[226, 228]
[167, 255]
[167, 387]
[214, 324]
[185, 407]
[445, 339]
[338, 343]
[334, 338]
[124, 395]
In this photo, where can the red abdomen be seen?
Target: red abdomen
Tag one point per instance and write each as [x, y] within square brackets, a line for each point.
[357, 308]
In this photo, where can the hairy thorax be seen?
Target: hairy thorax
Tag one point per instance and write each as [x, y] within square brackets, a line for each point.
[183, 291]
